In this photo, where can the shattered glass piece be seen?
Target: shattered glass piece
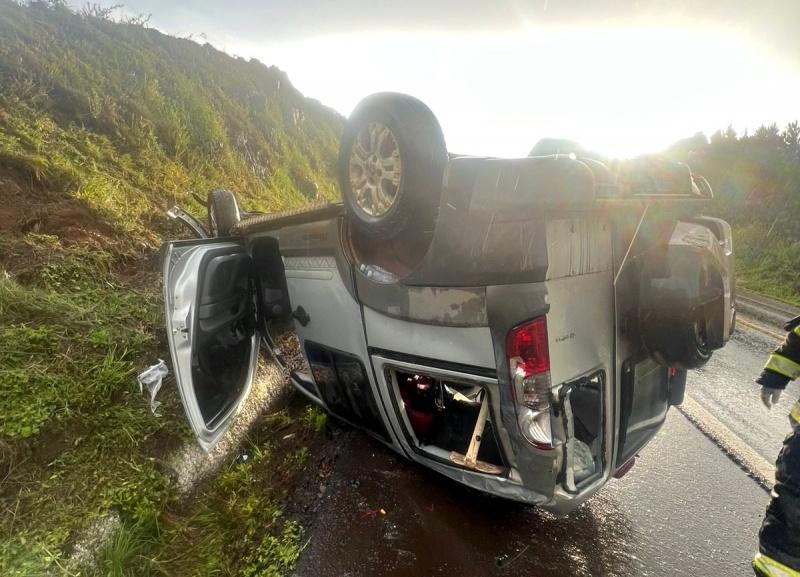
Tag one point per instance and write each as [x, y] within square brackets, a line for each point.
[151, 379]
[378, 274]
[583, 461]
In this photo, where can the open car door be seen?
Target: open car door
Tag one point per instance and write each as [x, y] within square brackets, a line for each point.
[211, 327]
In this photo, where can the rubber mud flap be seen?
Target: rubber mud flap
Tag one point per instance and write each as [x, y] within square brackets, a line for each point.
[677, 388]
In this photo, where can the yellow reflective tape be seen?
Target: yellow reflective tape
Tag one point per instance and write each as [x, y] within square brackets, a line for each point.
[783, 366]
[795, 412]
[771, 568]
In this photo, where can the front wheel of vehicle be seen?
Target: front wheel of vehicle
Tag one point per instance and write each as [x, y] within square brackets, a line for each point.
[223, 212]
[392, 159]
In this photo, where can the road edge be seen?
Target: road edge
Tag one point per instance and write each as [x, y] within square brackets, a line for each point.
[756, 466]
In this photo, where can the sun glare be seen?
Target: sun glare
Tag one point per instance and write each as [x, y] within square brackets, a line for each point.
[619, 91]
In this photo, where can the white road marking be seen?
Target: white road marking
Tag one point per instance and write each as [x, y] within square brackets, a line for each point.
[734, 447]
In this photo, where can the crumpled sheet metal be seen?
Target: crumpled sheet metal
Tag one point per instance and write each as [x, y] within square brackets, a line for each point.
[152, 379]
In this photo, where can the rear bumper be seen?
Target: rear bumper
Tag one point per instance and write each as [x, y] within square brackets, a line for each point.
[530, 475]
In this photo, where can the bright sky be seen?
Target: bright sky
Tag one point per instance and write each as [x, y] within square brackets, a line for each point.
[621, 82]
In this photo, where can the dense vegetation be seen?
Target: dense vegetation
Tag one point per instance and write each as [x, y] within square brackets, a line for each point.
[103, 126]
[756, 180]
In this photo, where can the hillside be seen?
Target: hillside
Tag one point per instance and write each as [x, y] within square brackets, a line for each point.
[127, 120]
[103, 126]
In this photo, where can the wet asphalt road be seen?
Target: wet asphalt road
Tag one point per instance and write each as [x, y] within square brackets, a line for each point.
[725, 388]
[684, 509]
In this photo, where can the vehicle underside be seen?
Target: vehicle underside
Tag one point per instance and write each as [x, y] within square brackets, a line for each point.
[527, 341]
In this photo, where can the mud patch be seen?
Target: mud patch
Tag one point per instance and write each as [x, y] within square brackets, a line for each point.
[28, 208]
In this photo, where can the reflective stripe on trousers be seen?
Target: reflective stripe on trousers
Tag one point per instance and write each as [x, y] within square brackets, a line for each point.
[771, 568]
[794, 414]
[779, 537]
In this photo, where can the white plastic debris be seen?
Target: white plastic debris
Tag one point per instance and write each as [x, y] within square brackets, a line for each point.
[151, 379]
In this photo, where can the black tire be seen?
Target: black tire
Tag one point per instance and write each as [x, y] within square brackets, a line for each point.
[698, 351]
[223, 212]
[678, 342]
[413, 198]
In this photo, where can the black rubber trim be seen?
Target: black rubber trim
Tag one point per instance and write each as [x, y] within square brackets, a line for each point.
[277, 220]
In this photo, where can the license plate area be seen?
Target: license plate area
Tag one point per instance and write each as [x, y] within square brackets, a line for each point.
[447, 419]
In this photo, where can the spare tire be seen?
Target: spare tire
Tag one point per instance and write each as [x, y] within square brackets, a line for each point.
[392, 159]
[223, 212]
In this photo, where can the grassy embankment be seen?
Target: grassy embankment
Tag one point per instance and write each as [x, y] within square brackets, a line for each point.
[769, 265]
[756, 181]
[103, 126]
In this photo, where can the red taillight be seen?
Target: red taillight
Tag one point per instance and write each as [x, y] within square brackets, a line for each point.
[528, 343]
[672, 372]
[529, 366]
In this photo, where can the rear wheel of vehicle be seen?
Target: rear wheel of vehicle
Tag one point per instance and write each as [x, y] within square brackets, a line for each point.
[223, 212]
[697, 350]
[391, 164]
[679, 342]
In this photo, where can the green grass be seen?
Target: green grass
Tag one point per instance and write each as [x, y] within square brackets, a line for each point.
[237, 525]
[315, 420]
[103, 126]
[128, 120]
[766, 264]
[77, 438]
[127, 548]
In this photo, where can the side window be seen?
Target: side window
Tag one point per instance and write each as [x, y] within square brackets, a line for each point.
[644, 402]
[344, 386]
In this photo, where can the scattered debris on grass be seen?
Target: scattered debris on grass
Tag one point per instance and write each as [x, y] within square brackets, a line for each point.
[151, 379]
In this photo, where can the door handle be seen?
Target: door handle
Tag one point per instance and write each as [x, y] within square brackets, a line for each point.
[301, 316]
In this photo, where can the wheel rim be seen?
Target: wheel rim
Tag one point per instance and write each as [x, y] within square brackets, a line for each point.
[375, 169]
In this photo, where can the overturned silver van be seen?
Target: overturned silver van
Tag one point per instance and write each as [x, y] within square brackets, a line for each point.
[521, 326]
